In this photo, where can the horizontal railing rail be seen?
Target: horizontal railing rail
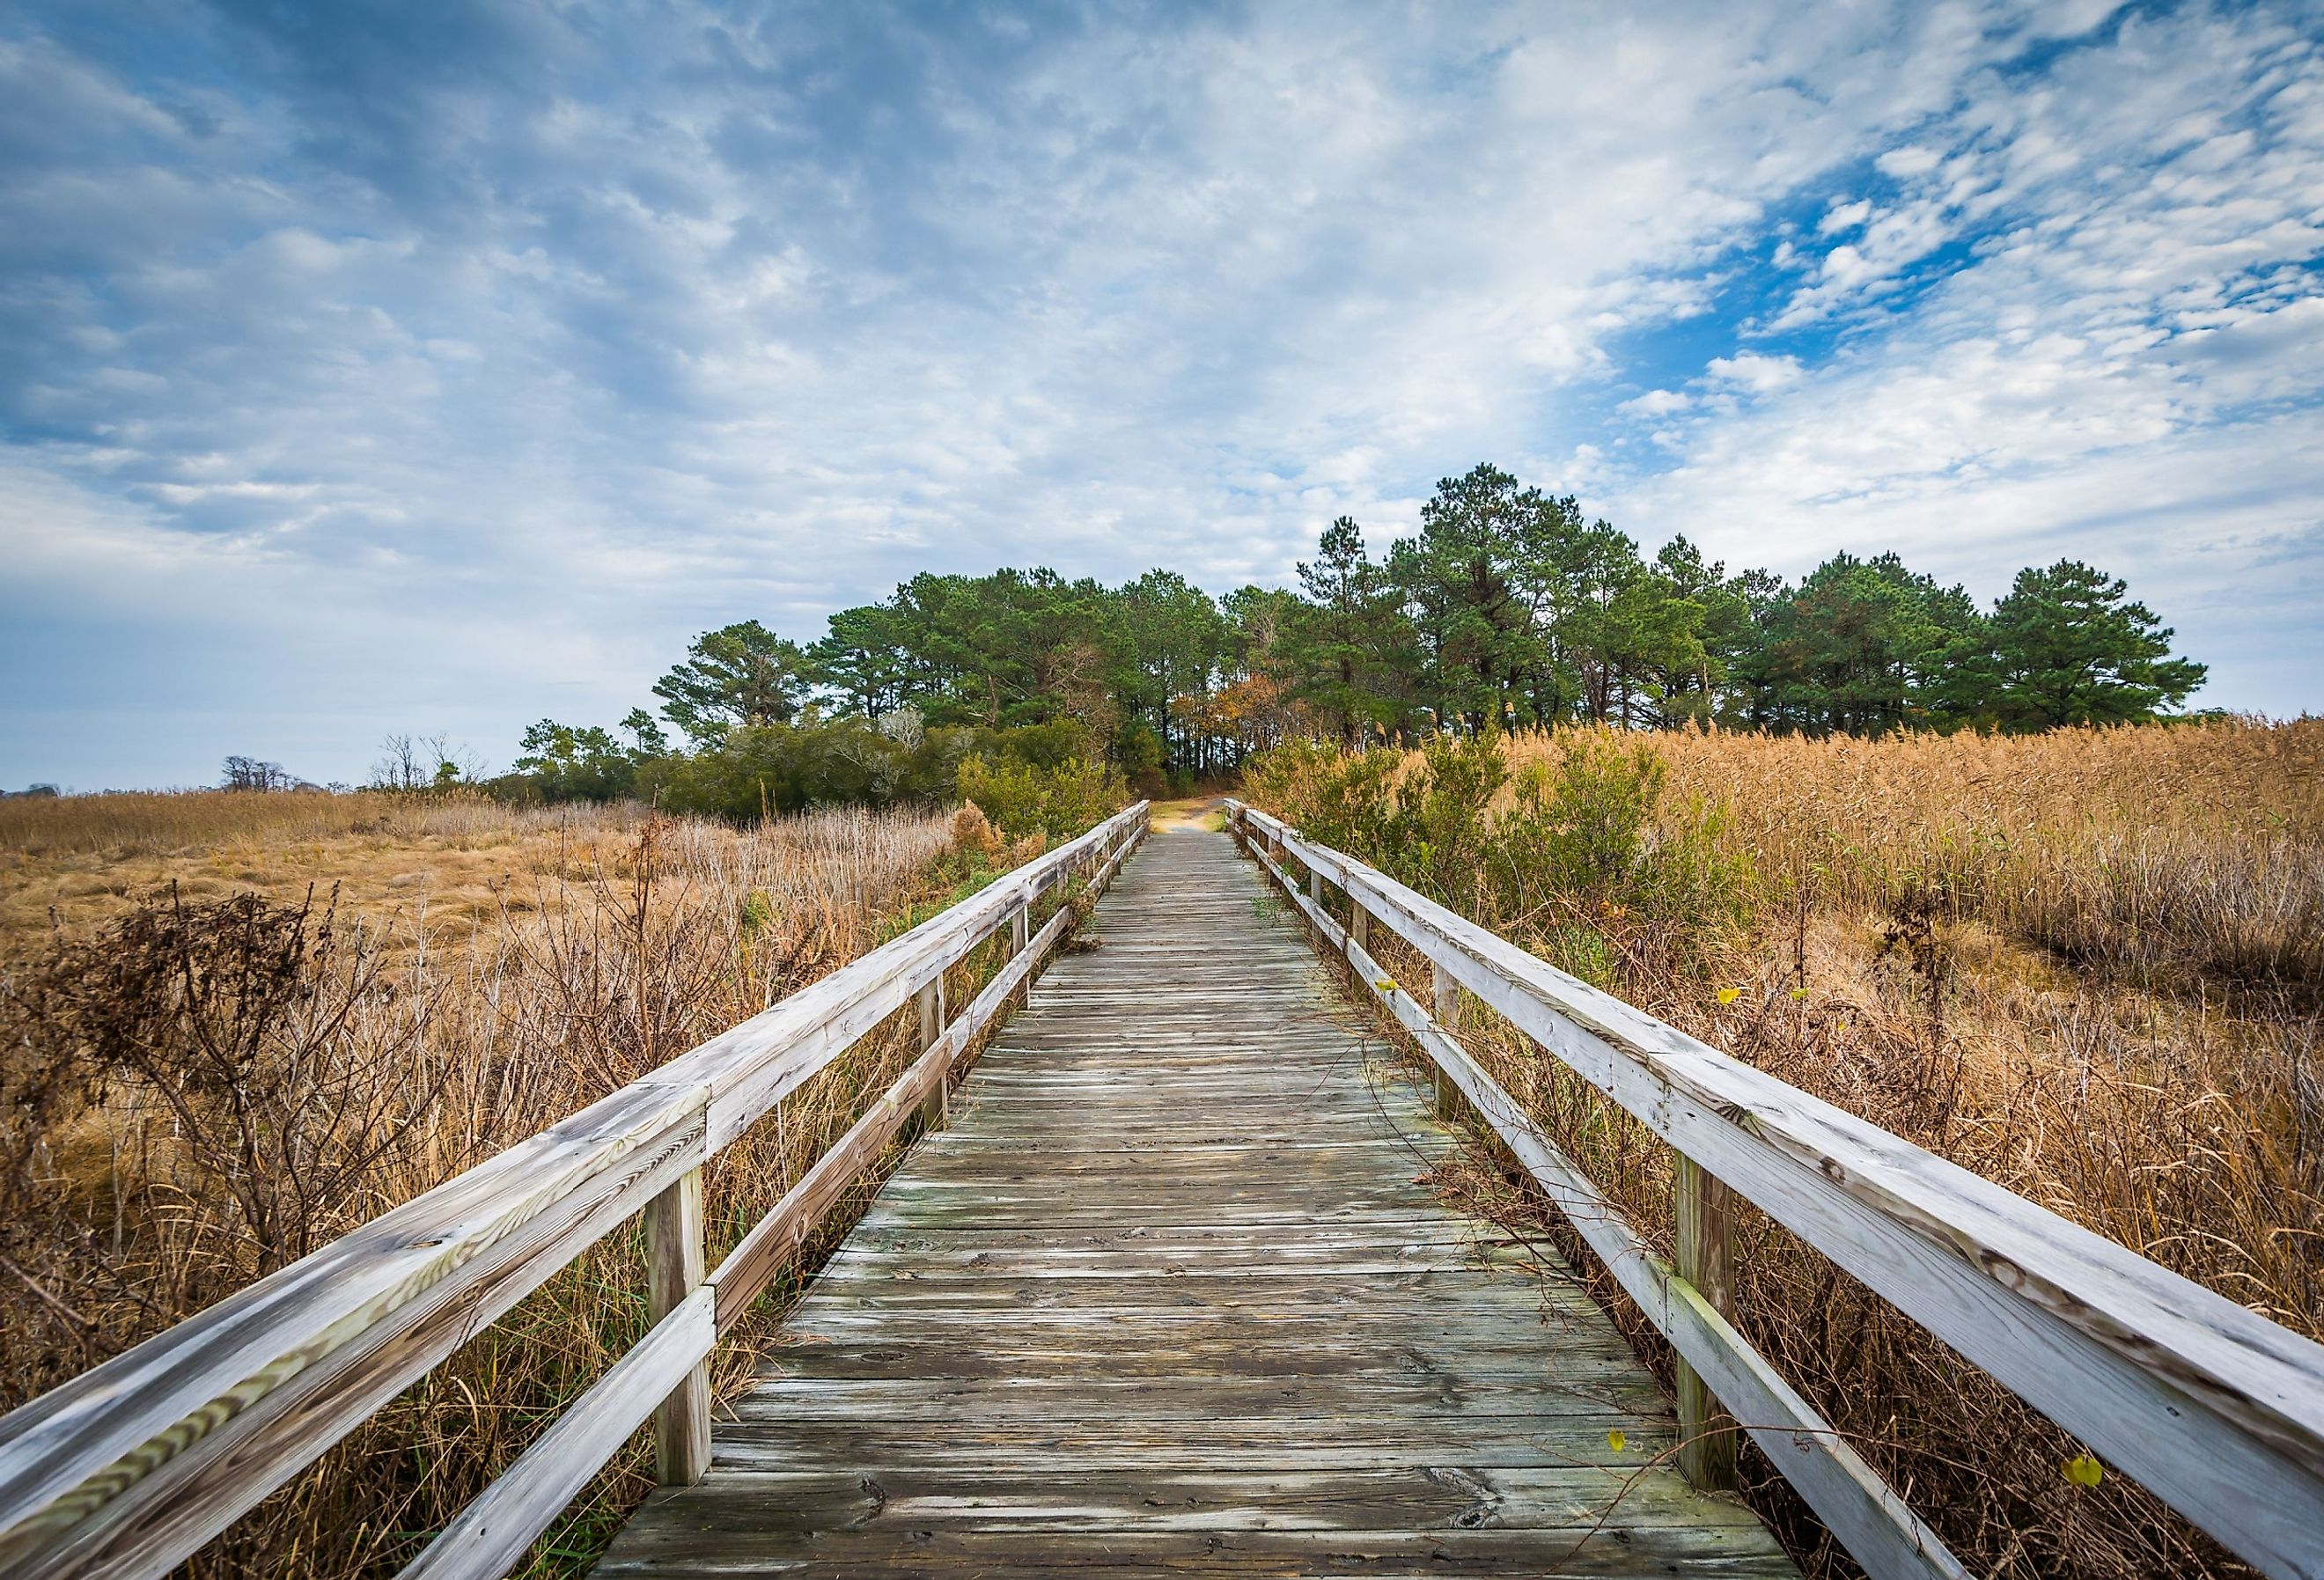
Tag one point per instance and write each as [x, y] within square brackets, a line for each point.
[131, 1467]
[2217, 1410]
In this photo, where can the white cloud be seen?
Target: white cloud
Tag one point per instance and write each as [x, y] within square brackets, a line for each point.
[2129, 369]
[1842, 216]
[1659, 402]
[1912, 159]
[1755, 372]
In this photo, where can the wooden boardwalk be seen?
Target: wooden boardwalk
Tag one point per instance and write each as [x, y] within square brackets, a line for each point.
[1167, 1298]
[1171, 1298]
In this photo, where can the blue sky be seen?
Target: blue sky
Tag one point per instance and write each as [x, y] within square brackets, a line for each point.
[372, 366]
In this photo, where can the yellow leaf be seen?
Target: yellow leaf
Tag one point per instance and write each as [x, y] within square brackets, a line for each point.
[1798, 993]
[1385, 985]
[1728, 995]
[1615, 1439]
[2083, 1470]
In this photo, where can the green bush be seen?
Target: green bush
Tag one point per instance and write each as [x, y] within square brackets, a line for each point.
[1590, 839]
[1020, 798]
[1584, 859]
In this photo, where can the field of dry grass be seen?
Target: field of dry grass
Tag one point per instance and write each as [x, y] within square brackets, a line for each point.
[383, 992]
[89, 859]
[2088, 965]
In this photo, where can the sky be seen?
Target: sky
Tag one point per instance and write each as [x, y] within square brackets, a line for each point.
[372, 368]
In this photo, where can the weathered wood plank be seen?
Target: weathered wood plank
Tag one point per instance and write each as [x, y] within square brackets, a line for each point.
[674, 1269]
[1705, 1259]
[1725, 1550]
[906, 1497]
[1177, 1250]
[775, 1238]
[1876, 1524]
[495, 1529]
[2218, 1410]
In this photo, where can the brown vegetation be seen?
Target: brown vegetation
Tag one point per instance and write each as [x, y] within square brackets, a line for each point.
[211, 1069]
[2088, 965]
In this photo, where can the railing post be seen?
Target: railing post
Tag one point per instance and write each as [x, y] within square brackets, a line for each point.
[674, 1257]
[1445, 1006]
[1706, 1260]
[1359, 924]
[1020, 928]
[936, 1112]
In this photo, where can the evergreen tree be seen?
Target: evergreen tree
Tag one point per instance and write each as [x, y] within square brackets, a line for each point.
[1349, 638]
[566, 763]
[2068, 650]
[647, 734]
[1704, 681]
[866, 658]
[742, 674]
[1478, 580]
[1509, 608]
[1175, 640]
[1862, 647]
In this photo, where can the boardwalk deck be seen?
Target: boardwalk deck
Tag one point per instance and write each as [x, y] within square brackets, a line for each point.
[1170, 1299]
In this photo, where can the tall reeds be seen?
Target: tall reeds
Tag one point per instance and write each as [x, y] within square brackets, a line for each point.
[199, 1088]
[2088, 965]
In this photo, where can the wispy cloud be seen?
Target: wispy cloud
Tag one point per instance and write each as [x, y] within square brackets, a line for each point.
[376, 365]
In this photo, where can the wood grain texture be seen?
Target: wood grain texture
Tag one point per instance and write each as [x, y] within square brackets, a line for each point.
[1872, 1522]
[497, 1528]
[674, 1269]
[495, 1531]
[1171, 1295]
[2218, 1410]
[1705, 1259]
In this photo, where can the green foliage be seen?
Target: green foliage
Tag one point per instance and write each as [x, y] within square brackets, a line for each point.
[561, 762]
[1138, 750]
[2067, 650]
[1021, 798]
[1349, 646]
[1510, 609]
[1866, 647]
[1439, 831]
[1585, 858]
[776, 769]
[743, 676]
[1345, 801]
[1051, 746]
[1593, 837]
[1582, 827]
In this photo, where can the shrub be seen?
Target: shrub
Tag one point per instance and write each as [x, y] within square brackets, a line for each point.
[1020, 798]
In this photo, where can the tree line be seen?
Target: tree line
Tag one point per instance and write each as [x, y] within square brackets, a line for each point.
[1509, 608]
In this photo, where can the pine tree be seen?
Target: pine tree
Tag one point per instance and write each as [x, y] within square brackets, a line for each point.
[2069, 651]
[742, 674]
[1347, 639]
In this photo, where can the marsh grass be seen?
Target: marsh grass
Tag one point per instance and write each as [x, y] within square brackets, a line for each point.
[2085, 965]
[334, 1056]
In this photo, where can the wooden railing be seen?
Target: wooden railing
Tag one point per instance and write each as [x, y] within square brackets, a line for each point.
[132, 1466]
[2217, 1410]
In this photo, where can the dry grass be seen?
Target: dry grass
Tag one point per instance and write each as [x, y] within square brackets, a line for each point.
[90, 858]
[2086, 965]
[485, 972]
